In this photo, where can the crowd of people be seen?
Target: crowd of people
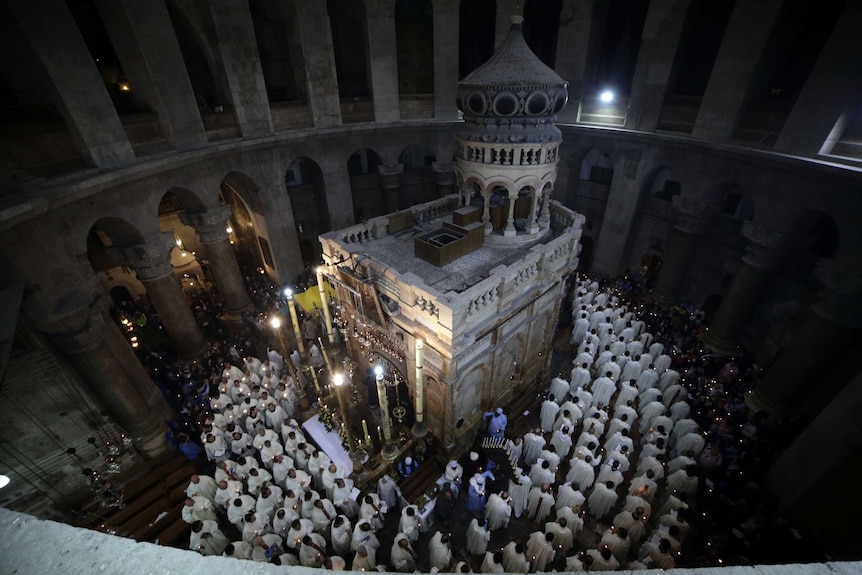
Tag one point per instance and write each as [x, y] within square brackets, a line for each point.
[647, 437]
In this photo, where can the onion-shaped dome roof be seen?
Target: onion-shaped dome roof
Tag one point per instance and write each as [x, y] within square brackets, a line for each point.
[513, 83]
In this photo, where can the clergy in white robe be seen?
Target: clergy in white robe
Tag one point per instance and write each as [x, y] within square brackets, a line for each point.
[238, 508]
[581, 472]
[647, 413]
[515, 447]
[322, 514]
[373, 510]
[602, 499]
[548, 414]
[603, 389]
[580, 376]
[227, 490]
[540, 550]
[492, 563]
[541, 473]
[282, 520]
[519, 491]
[633, 521]
[682, 481]
[363, 534]
[688, 444]
[534, 442]
[402, 557]
[312, 552]
[341, 497]
[569, 496]
[514, 559]
[439, 552]
[559, 389]
[239, 550]
[497, 511]
[617, 539]
[365, 559]
[202, 485]
[603, 559]
[610, 471]
[298, 529]
[562, 441]
[540, 503]
[549, 454]
[207, 539]
[329, 476]
[477, 538]
[340, 534]
[410, 523]
[563, 536]
[388, 491]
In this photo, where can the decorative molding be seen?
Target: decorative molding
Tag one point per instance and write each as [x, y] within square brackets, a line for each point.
[210, 225]
[151, 260]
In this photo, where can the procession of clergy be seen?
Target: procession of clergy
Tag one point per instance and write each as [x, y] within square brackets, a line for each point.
[294, 506]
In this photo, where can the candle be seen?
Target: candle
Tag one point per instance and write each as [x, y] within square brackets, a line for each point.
[365, 428]
[325, 355]
[420, 382]
[324, 300]
[314, 377]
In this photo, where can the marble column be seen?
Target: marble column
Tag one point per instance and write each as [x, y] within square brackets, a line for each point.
[211, 227]
[118, 381]
[486, 211]
[830, 328]
[151, 262]
[444, 174]
[535, 207]
[383, 65]
[510, 219]
[390, 184]
[691, 219]
[762, 257]
[545, 214]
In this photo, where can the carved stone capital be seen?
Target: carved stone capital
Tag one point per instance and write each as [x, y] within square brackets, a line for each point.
[765, 248]
[691, 215]
[151, 260]
[210, 225]
[390, 175]
[841, 298]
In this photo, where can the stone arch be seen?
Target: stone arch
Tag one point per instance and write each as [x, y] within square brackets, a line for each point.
[476, 29]
[105, 238]
[307, 192]
[173, 203]
[414, 41]
[597, 167]
[417, 157]
[418, 182]
[368, 201]
[662, 185]
[247, 224]
[468, 394]
[508, 370]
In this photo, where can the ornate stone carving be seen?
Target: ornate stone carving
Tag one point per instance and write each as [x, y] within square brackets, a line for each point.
[210, 225]
[151, 260]
[765, 248]
[691, 215]
[390, 174]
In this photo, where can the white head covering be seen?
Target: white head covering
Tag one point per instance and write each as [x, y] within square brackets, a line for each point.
[499, 411]
[474, 456]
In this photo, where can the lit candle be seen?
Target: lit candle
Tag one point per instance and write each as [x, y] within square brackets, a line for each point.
[365, 428]
[420, 382]
[324, 300]
[314, 378]
[325, 355]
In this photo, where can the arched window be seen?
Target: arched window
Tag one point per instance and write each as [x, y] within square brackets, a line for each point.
[414, 39]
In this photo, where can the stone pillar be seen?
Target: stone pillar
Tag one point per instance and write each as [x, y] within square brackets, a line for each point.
[152, 264]
[510, 219]
[80, 92]
[141, 33]
[545, 214]
[486, 210]
[211, 227]
[319, 57]
[740, 51]
[390, 184]
[446, 43]
[691, 219]
[533, 221]
[236, 43]
[659, 43]
[762, 257]
[573, 50]
[831, 327]
[836, 73]
[383, 61]
[444, 173]
[116, 380]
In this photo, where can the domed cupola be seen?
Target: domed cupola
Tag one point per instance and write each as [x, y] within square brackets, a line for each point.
[514, 93]
[508, 147]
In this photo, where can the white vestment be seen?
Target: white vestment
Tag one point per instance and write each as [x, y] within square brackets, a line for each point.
[497, 512]
[477, 538]
[539, 504]
[549, 414]
[539, 550]
[601, 500]
[519, 493]
[439, 552]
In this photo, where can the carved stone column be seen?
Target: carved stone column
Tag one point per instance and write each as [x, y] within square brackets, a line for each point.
[533, 221]
[545, 215]
[152, 264]
[510, 220]
[106, 363]
[486, 211]
[691, 219]
[831, 327]
[762, 257]
[390, 184]
[444, 173]
[211, 228]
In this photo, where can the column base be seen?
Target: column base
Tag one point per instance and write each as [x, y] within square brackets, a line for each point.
[389, 452]
[149, 438]
[756, 402]
[720, 345]
[195, 354]
[420, 429]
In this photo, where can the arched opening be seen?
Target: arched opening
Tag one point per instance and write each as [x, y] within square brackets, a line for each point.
[663, 186]
[188, 257]
[305, 186]
[648, 270]
[365, 184]
[588, 195]
[541, 28]
[248, 231]
[350, 46]
[597, 167]
[476, 29]
[585, 260]
[414, 40]
[418, 182]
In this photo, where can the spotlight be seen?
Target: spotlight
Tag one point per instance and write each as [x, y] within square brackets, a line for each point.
[607, 97]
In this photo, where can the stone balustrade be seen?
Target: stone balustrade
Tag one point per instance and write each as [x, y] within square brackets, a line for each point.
[508, 155]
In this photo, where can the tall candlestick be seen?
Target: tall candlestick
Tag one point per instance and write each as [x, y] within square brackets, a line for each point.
[419, 428]
[291, 304]
[314, 379]
[339, 383]
[324, 299]
[390, 452]
[325, 355]
[365, 427]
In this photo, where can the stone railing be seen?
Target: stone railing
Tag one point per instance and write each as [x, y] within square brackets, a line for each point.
[562, 217]
[508, 155]
[434, 209]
